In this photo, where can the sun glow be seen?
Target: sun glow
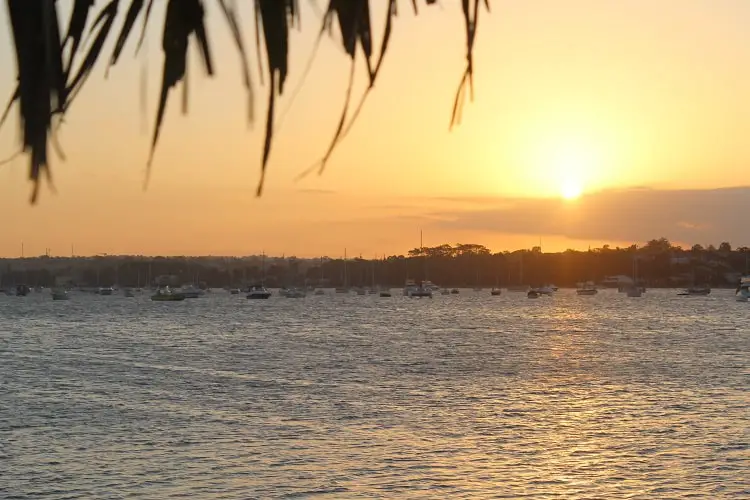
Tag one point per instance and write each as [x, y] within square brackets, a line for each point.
[570, 189]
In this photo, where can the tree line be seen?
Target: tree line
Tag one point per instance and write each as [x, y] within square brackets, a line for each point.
[659, 263]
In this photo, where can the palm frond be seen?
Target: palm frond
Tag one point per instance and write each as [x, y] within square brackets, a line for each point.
[48, 79]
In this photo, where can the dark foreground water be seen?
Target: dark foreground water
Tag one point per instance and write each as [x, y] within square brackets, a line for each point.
[466, 396]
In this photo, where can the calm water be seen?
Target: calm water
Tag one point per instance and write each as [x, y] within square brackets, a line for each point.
[467, 396]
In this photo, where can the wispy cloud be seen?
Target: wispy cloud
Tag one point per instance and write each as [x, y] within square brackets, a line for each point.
[705, 216]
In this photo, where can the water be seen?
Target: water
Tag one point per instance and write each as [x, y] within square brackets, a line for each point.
[467, 396]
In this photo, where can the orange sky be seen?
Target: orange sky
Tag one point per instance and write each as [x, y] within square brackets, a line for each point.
[596, 95]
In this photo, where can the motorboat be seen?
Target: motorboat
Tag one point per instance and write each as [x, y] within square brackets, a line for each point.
[295, 293]
[495, 291]
[192, 292]
[587, 288]
[634, 291]
[743, 289]
[258, 292]
[60, 294]
[696, 291]
[411, 289]
[106, 290]
[167, 295]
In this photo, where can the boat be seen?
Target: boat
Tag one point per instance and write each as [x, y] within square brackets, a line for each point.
[106, 290]
[295, 293]
[533, 294]
[743, 289]
[22, 290]
[634, 290]
[385, 292]
[59, 294]
[543, 290]
[587, 288]
[496, 291]
[454, 291]
[696, 291]
[167, 295]
[411, 289]
[258, 292]
[234, 291]
[192, 292]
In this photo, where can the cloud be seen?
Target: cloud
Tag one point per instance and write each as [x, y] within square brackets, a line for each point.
[705, 216]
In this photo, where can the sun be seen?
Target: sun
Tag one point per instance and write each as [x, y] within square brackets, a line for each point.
[570, 189]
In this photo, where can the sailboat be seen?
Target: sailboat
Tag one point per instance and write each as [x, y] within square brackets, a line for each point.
[259, 291]
[345, 288]
[634, 290]
[520, 287]
[319, 290]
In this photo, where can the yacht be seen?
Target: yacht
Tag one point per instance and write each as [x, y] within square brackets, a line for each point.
[191, 292]
[544, 290]
[696, 291]
[59, 294]
[587, 288]
[167, 295]
[258, 292]
[295, 293]
[411, 289]
[743, 289]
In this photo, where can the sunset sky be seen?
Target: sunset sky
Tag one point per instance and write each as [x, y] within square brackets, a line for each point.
[643, 107]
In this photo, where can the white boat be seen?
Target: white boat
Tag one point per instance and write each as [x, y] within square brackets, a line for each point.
[295, 293]
[743, 289]
[411, 289]
[258, 292]
[59, 294]
[191, 292]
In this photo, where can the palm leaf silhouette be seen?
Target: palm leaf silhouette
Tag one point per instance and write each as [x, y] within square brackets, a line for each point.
[48, 79]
